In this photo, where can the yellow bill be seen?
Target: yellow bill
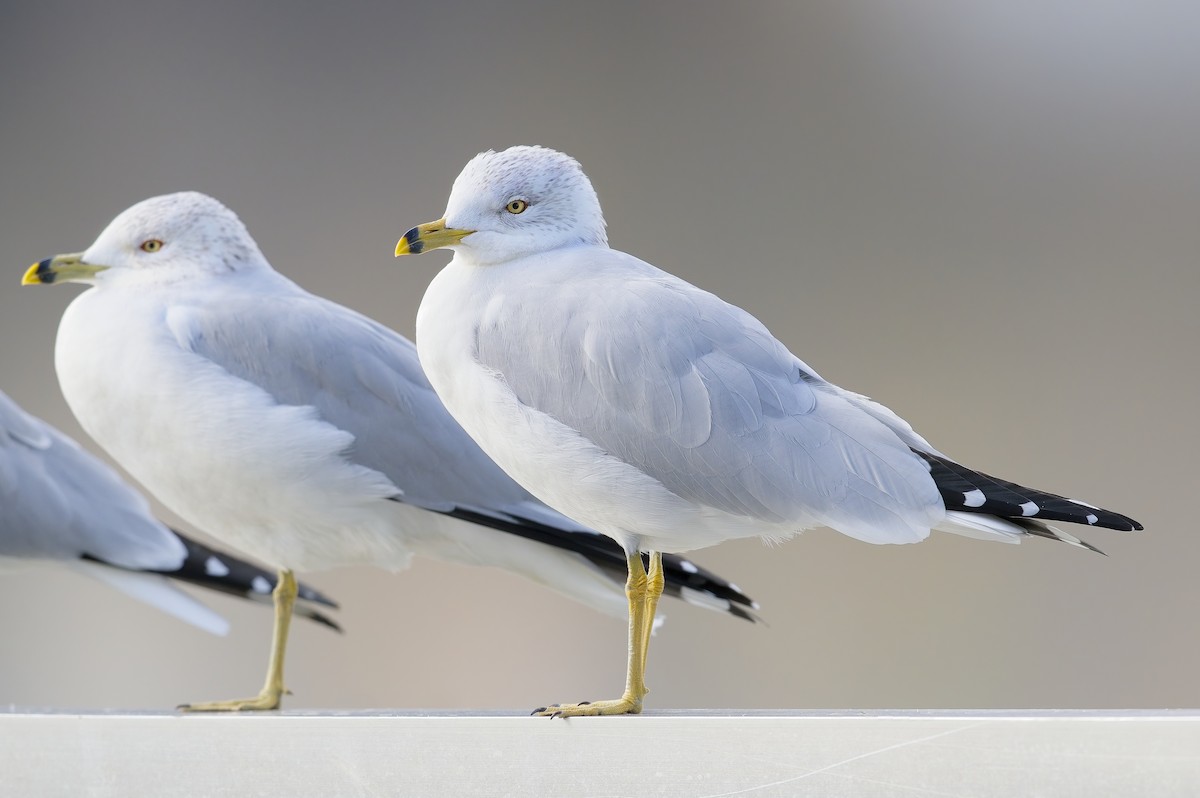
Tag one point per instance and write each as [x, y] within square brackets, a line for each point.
[60, 269]
[431, 235]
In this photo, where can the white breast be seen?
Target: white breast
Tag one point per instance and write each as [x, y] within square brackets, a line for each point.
[260, 476]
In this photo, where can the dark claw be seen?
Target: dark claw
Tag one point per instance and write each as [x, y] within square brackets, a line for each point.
[539, 709]
[584, 703]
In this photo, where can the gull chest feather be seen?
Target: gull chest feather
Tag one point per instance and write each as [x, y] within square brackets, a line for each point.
[266, 477]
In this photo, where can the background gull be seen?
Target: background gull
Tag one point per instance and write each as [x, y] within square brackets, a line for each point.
[657, 413]
[60, 504]
[293, 428]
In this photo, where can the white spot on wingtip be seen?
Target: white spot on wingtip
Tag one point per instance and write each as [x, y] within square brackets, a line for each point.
[214, 567]
[1029, 508]
[1092, 518]
[688, 566]
[260, 585]
[974, 498]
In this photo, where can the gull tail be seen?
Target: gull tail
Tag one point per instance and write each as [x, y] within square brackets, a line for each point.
[157, 591]
[683, 579]
[981, 505]
[209, 568]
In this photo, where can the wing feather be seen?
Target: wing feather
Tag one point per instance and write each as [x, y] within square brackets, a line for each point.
[359, 377]
[61, 503]
[697, 394]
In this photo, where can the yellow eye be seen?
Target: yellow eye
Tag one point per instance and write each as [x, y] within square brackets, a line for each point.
[516, 206]
[151, 245]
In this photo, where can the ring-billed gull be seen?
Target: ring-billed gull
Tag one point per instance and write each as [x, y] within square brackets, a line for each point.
[655, 412]
[60, 504]
[293, 428]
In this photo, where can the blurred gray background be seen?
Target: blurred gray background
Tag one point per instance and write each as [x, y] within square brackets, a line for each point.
[985, 215]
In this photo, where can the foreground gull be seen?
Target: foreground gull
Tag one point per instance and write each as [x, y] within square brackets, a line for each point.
[60, 504]
[658, 414]
[293, 428]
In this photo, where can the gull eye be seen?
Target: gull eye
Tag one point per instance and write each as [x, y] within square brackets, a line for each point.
[151, 245]
[516, 206]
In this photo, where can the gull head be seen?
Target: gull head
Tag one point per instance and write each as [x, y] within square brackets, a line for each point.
[162, 239]
[512, 204]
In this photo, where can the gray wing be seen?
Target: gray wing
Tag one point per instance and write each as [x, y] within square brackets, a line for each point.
[698, 394]
[362, 378]
[366, 379]
[59, 502]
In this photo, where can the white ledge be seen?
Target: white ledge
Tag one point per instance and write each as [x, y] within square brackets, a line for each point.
[693, 753]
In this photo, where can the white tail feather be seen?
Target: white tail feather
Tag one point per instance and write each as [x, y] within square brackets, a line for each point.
[158, 592]
[981, 527]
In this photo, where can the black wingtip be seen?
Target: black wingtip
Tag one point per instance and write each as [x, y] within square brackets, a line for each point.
[967, 490]
[604, 553]
[321, 618]
[311, 594]
[225, 573]
[745, 615]
[680, 572]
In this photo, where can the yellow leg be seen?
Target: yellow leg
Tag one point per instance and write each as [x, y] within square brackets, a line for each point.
[642, 590]
[654, 589]
[273, 689]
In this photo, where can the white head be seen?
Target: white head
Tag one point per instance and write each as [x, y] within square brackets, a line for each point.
[510, 204]
[162, 239]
